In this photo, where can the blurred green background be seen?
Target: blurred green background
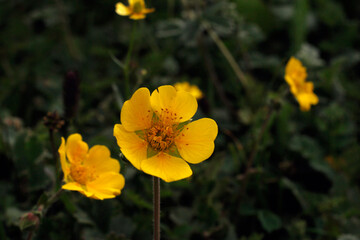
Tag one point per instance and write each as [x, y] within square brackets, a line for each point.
[295, 177]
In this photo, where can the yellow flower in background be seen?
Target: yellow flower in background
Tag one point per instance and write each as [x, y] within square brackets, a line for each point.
[193, 89]
[136, 9]
[157, 135]
[91, 172]
[306, 96]
[295, 74]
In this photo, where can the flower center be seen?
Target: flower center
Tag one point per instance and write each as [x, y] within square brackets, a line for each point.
[160, 137]
[82, 174]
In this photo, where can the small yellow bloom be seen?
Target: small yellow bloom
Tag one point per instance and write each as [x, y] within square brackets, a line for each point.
[193, 89]
[136, 9]
[157, 135]
[91, 172]
[295, 74]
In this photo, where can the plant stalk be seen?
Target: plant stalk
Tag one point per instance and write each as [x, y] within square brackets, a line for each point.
[229, 57]
[156, 202]
[55, 156]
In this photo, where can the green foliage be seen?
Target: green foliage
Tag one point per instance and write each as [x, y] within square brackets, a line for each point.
[295, 177]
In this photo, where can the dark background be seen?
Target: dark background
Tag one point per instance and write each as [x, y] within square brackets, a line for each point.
[303, 180]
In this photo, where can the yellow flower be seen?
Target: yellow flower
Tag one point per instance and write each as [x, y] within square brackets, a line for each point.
[157, 135]
[295, 74]
[193, 89]
[136, 9]
[306, 97]
[91, 172]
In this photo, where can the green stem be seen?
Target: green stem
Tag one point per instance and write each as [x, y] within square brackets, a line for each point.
[229, 57]
[254, 151]
[156, 202]
[55, 156]
[53, 198]
[127, 62]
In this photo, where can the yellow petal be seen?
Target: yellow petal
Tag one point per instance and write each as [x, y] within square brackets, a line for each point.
[99, 158]
[166, 167]
[131, 145]
[136, 113]
[181, 103]
[148, 10]
[137, 16]
[306, 100]
[133, 2]
[74, 186]
[295, 69]
[196, 142]
[64, 164]
[295, 75]
[76, 149]
[122, 10]
[108, 185]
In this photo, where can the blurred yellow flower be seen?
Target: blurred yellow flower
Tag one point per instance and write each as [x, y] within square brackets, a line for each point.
[91, 172]
[158, 137]
[295, 76]
[193, 89]
[136, 9]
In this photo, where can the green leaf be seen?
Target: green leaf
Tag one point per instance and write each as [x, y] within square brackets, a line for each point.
[296, 191]
[269, 221]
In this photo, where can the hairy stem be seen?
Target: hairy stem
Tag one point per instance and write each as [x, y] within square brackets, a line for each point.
[53, 198]
[156, 202]
[55, 157]
[254, 150]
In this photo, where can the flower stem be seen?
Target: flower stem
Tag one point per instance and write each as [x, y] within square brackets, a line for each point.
[30, 235]
[55, 156]
[43, 209]
[156, 201]
[254, 150]
[229, 57]
[127, 62]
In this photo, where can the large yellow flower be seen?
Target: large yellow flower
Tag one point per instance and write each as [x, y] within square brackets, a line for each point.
[136, 9]
[295, 74]
[158, 137]
[91, 172]
[193, 89]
